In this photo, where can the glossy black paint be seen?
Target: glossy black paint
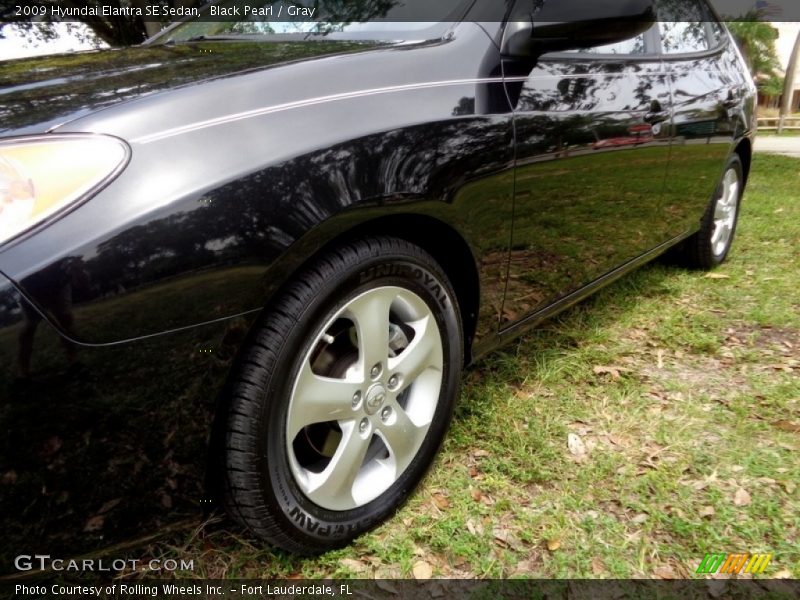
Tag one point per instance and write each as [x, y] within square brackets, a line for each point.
[534, 182]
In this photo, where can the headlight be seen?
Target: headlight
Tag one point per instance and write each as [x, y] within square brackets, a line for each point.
[42, 176]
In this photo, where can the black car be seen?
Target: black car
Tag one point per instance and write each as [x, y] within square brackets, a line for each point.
[247, 267]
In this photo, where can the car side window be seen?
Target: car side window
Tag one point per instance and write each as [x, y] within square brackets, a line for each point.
[684, 26]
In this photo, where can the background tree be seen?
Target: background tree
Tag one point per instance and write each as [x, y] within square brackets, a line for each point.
[757, 41]
[788, 88]
[114, 31]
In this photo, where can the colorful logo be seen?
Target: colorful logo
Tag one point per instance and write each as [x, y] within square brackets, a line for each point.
[733, 563]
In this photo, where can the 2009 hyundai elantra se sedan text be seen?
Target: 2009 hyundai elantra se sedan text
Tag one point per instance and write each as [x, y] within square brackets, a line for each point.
[246, 266]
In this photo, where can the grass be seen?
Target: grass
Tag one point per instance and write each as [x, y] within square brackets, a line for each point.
[639, 430]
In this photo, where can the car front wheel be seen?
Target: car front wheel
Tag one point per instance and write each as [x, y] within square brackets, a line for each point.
[709, 247]
[343, 396]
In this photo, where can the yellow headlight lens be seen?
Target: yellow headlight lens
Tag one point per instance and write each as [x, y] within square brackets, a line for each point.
[40, 177]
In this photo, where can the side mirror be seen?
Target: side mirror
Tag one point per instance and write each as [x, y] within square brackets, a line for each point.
[571, 24]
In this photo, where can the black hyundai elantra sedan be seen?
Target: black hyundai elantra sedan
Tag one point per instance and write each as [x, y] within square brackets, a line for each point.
[245, 265]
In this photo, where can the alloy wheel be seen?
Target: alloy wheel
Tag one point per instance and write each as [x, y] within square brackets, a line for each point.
[725, 212]
[364, 398]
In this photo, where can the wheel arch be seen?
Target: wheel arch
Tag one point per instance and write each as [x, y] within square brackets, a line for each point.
[442, 241]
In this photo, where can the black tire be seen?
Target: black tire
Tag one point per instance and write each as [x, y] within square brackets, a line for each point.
[698, 251]
[261, 491]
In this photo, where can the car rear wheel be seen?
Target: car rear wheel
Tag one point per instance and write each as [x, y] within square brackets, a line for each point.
[343, 396]
[709, 247]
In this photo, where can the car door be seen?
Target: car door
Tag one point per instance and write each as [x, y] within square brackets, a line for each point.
[592, 139]
[707, 95]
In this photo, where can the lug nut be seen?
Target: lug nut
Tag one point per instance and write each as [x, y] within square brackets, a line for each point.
[376, 371]
[363, 426]
[386, 413]
[356, 399]
[393, 381]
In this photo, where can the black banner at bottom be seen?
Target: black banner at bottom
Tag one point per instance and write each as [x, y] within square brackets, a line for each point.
[438, 589]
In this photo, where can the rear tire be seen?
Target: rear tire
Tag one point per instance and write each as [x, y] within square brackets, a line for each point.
[709, 247]
[344, 396]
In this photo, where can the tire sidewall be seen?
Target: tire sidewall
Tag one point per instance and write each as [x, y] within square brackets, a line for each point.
[301, 517]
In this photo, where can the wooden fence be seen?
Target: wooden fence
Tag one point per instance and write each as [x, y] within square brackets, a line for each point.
[774, 124]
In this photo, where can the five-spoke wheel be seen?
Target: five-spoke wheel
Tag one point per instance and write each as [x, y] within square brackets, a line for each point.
[343, 396]
[364, 398]
[709, 247]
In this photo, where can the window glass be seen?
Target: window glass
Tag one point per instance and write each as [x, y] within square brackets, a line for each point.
[682, 37]
[387, 19]
[683, 25]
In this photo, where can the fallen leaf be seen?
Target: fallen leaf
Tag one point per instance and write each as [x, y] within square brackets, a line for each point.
[616, 440]
[707, 511]
[717, 276]
[789, 486]
[422, 570]
[353, 565]
[553, 544]
[787, 426]
[9, 477]
[783, 574]
[505, 537]
[476, 494]
[639, 519]
[604, 370]
[166, 501]
[575, 445]
[440, 501]
[474, 528]
[741, 497]
[665, 572]
[95, 523]
[473, 471]
[598, 567]
[480, 453]
[109, 505]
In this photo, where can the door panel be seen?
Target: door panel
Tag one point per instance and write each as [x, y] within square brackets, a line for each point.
[707, 96]
[592, 152]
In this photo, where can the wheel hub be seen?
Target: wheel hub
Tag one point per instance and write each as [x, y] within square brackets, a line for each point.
[376, 396]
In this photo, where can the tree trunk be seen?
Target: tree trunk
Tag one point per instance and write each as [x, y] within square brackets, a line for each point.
[788, 85]
[151, 26]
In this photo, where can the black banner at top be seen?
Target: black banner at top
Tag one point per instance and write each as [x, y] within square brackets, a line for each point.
[286, 13]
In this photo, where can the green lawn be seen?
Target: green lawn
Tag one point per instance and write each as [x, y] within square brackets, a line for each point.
[626, 438]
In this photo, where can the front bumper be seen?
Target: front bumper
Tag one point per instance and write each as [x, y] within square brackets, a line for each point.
[101, 444]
